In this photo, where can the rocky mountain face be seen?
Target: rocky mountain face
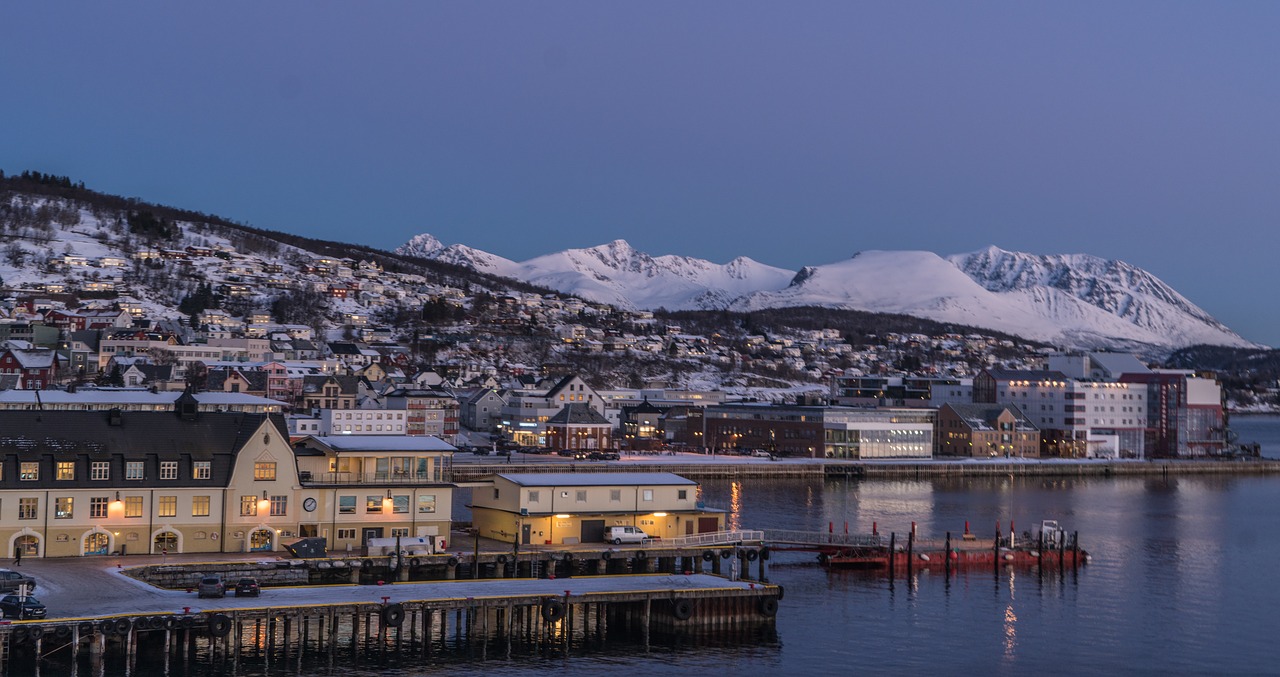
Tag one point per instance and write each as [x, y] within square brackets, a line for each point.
[1075, 300]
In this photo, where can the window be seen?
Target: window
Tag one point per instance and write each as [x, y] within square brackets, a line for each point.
[347, 505]
[682, 494]
[133, 506]
[100, 470]
[399, 532]
[615, 495]
[98, 506]
[426, 503]
[581, 496]
[264, 471]
[201, 470]
[62, 508]
[400, 504]
[27, 508]
[29, 471]
[279, 506]
[168, 470]
[133, 470]
[373, 504]
[65, 470]
[248, 506]
[533, 496]
[347, 533]
[199, 506]
[167, 506]
[647, 495]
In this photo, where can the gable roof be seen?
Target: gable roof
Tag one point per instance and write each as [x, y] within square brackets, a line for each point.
[578, 413]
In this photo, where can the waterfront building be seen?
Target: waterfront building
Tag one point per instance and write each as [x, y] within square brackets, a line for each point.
[525, 416]
[853, 388]
[358, 487]
[428, 411]
[881, 432]
[986, 430]
[578, 426]
[642, 426]
[568, 508]
[785, 430]
[76, 483]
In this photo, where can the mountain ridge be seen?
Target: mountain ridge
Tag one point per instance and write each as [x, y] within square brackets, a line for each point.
[1076, 300]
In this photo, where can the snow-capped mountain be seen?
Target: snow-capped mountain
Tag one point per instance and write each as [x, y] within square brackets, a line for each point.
[1073, 300]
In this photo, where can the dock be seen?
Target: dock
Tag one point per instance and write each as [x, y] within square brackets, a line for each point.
[313, 625]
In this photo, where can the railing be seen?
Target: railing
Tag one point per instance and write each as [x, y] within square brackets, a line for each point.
[792, 537]
[714, 538]
[369, 478]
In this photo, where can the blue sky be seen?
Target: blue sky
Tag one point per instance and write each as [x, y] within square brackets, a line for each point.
[793, 133]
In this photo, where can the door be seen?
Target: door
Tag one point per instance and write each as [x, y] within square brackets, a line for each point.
[688, 527]
[371, 533]
[525, 531]
[707, 525]
[96, 543]
[592, 531]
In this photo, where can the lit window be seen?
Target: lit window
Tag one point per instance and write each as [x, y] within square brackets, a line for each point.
[29, 470]
[264, 470]
[133, 506]
[62, 508]
[248, 506]
[201, 470]
[199, 506]
[66, 470]
[167, 506]
[27, 508]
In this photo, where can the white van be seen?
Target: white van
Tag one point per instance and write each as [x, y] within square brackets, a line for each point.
[620, 535]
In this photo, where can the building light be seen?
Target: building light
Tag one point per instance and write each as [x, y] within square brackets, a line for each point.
[659, 514]
[562, 517]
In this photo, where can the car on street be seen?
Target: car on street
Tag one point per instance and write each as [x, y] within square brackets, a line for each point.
[20, 608]
[211, 586]
[567, 453]
[604, 456]
[248, 587]
[12, 581]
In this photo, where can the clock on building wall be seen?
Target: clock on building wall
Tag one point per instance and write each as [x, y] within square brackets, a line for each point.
[309, 505]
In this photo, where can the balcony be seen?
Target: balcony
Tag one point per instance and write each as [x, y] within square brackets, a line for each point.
[371, 478]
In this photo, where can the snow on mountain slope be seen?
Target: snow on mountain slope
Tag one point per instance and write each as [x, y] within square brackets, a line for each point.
[426, 246]
[618, 274]
[1075, 300]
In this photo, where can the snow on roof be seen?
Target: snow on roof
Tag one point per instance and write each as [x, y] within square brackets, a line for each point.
[384, 443]
[129, 397]
[562, 479]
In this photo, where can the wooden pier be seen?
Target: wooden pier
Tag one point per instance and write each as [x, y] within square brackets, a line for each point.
[525, 617]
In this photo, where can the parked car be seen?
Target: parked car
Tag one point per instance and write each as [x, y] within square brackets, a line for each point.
[761, 453]
[567, 453]
[604, 456]
[21, 608]
[12, 581]
[211, 586]
[247, 587]
[581, 455]
[620, 535]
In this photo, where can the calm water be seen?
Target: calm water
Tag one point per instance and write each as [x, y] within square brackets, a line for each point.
[1182, 581]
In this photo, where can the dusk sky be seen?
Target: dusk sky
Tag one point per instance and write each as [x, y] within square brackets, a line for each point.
[792, 133]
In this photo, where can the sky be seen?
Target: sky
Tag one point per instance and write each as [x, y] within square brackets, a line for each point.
[794, 133]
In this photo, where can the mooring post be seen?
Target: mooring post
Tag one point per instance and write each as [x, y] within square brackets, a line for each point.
[648, 603]
[946, 557]
[1062, 553]
[911, 548]
[893, 553]
[1075, 549]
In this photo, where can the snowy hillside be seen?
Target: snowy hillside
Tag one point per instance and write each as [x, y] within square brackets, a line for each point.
[1073, 300]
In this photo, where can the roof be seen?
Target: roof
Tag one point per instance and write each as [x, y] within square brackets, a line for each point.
[383, 443]
[595, 479]
[30, 435]
[983, 416]
[1027, 375]
[577, 413]
[126, 397]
